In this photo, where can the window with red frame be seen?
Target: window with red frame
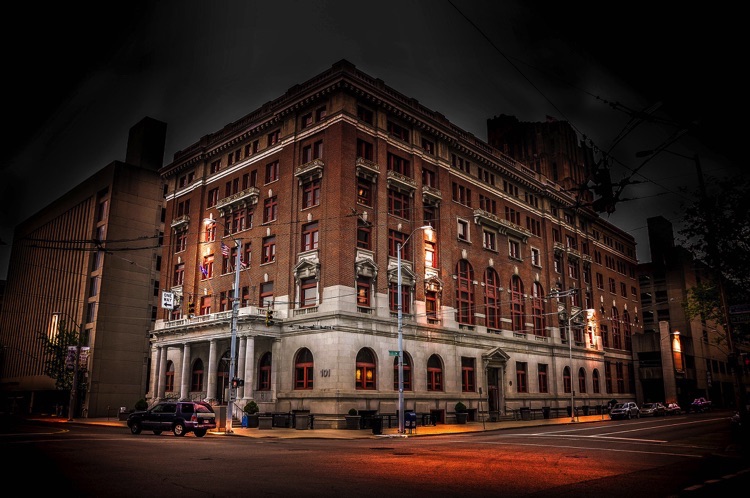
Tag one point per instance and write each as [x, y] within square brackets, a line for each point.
[196, 377]
[543, 381]
[366, 370]
[468, 375]
[464, 293]
[264, 372]
[270, 209]
[492, 298]
[311, 194]
[303, 370]
[522, 385]
[272, 171]
[310, 236]
[434, 374]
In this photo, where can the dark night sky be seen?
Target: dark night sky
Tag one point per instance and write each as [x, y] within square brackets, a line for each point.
[77, 79]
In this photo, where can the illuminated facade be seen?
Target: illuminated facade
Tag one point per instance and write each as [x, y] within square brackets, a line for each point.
[320, 185]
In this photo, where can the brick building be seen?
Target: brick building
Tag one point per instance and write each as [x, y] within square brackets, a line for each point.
[320, 187]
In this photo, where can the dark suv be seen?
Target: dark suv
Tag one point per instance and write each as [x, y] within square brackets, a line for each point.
[180, 417]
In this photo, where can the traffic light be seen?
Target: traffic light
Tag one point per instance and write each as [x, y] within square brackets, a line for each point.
[269, 317]
[191, 308]
[237, 383]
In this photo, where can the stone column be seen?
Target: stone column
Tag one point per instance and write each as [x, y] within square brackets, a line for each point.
[211, 372]
[185, 375]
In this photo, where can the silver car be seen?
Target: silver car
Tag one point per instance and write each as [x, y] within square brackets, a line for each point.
[625, 410]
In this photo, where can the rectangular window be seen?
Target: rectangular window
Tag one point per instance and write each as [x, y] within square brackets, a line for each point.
[512, 215]
[179, 274]
[364, 235]
[180, 241]
[468, 375]
[207, 269]
[599, 281]
[398, 131]
[364, 114]
[489, 205]
[462, 194]
[536, 258]
[429, 178]
[394, 239]
[514, 249]
[612, 285]
[398, 203]
[463, 230]
[490, 240]
[205, 305]
[269, 249]
[399, 165]
[266, 295]
[428, 146]
[430, 254]
[213, 197]
[272, 171]
[273, 138]
[363, 292]
[308, 292]
[522, 385]
[311, 194]
[543, 386]
[364, 192]
[215, 166]
[306, 120]
[364, 149]
[310, 236]
[270, 209]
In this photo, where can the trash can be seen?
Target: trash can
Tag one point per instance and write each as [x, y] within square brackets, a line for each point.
[244, 421]
[377, 424]
[301, 420]
[545, 411]
[525, 413]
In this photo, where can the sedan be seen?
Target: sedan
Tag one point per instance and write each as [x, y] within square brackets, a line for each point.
[626, 410]
[673, 409]
[653, 410]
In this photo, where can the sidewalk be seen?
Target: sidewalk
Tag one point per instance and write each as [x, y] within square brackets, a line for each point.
[290, 433]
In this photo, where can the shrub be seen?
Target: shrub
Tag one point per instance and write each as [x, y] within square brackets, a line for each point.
[352, 411]
[141, 405]
[460, 407]
[251, 408]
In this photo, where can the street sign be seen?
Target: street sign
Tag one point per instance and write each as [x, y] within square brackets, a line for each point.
[739, 308]
[393, 353]
[744, 318]
[167, 300]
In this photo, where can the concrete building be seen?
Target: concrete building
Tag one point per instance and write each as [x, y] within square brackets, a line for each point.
[319, 188]
[678, 358]
[89, 259]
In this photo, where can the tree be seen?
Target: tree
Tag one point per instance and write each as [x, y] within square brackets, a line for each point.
[716, 230]
[57, 364]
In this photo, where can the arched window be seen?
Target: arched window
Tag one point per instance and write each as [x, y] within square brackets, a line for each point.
[407, 373]
[616, 337]
[366, 370]
[566, 380]
[517, 307]
[169, 381]
[492, 296]
[264, 372]
[464, 293]
[627, 331]
[581, 380]
[196, 383]
[434, 374]
[537, 309]
[303, 369]
[595, 381]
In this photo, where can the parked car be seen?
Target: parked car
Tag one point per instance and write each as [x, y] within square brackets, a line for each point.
[653, 410]
[625, 410]
[673, 409]
[700, 405]
[180, 417]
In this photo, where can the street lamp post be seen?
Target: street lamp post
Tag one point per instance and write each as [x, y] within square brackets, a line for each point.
[233, 348]
[401, 428]
[570, 293]
[74, 386]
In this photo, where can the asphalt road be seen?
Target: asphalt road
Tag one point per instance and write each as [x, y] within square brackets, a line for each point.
[688, 455]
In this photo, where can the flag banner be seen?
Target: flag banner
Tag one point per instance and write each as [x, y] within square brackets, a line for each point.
[204, 271]
[224, 249]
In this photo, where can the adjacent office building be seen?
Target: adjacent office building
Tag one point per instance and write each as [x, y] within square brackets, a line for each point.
[90, 259]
